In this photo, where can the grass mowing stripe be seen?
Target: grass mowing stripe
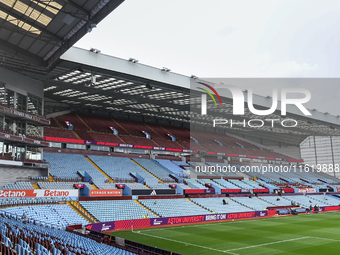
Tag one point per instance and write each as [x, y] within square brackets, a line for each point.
[184, 243]
[264, 244]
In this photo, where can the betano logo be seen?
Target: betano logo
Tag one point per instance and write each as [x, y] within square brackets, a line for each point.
[239, 102]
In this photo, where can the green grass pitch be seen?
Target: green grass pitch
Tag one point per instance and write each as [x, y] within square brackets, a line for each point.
[303, 234]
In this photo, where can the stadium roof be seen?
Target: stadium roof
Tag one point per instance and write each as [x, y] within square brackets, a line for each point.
[91, 82]
[35, 33]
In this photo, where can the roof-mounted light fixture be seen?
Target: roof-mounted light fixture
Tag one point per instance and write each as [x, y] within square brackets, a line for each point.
[133, 60]
[165, 69]
[148, 86]
[95, 50]
[90, 27]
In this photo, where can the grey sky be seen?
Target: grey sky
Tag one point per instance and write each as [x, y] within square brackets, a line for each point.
[224, 38]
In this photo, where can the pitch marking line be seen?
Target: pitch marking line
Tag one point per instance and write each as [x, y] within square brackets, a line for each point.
[200, 246]
[259, 245]
[322, 238]
[283, 241]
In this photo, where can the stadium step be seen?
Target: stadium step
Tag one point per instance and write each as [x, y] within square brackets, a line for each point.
[198, 205]
[84, 122]
[50, 178]
[57, 121]
[148, 171]
[36, 186]
[121, 127]
[82, 211]
[146, 208]
[75, 133]
[243, 204]
[94, 186]
[155, 131]
[100, 170]
[245, 177]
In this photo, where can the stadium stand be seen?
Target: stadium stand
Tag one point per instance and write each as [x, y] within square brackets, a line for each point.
[252, 202]
[59, 215]
[43, 240]
[67, 166]
[226, 184]
[155, 168]
[113, 210]
[97, 128]
[194, 184]
[173, 207]
[18, 185]
[173, 167]
[120, 169]
[216, 205]
[11, 175]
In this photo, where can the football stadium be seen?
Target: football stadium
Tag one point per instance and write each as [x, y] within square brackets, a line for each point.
[101, 155]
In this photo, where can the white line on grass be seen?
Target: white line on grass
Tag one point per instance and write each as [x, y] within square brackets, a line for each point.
[289, 240]
[200, 246]
[322, 238]
[259, 245]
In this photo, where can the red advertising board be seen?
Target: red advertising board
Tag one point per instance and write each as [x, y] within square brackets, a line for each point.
[194, 191]
[288, 190]
[261, 190]
[231, 190]
[38, 193]
[106, 192]
[307, 190]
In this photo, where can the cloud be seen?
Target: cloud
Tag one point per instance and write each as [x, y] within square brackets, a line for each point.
[289, 69]
[225, 31]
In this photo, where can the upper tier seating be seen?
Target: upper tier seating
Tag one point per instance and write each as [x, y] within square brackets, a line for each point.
[58, 132]
[173, 207]
[87, 128]
[77, 123]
